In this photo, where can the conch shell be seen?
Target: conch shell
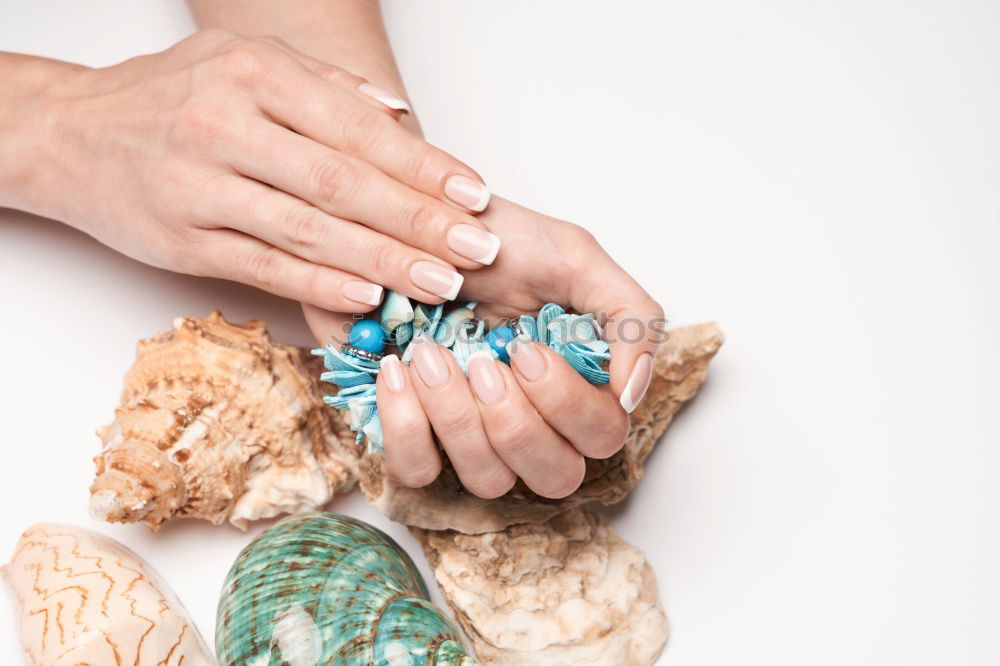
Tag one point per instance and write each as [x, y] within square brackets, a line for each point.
[86, 599]
[678, 372]
[566, 592]
[218, 421]
[321, 588]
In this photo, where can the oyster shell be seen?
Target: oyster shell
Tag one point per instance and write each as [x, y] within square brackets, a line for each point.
[320, 588]
[83, 598]
[218, 421]
[566, 592]
[678, 372]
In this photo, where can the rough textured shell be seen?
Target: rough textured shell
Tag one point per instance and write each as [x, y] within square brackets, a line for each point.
[679, 370]
[567, 592]
[85, 599]
[320, 588]
[218, 421]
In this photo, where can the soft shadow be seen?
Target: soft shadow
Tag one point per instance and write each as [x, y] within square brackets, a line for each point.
[129, 279]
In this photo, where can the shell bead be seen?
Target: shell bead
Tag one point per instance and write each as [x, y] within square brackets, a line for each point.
[321, 588]
[367, 335]
[497, 339]
[354, 367]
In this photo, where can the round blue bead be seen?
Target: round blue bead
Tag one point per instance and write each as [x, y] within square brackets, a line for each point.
[367, 335]
[498, 338]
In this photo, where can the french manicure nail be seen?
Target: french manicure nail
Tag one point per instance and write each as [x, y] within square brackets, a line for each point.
[467, 192]
[360, 291]
[638, 382]
[485, 378]
[436, 279]
[431, 366]
[392, 370]
[474, 243]
[526, 358]
[384, 95]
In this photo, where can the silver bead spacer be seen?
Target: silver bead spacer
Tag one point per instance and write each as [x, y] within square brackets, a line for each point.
[361, 353]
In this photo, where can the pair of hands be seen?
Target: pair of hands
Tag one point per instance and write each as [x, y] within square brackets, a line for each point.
[241, 158]
[538, 418]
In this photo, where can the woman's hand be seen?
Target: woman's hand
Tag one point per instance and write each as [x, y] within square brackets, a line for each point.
[538, 418]
[241, 158]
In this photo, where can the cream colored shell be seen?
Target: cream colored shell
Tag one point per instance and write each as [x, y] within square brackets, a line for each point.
[566, 592]
[679, 369]
[218, 421]
[86, 600]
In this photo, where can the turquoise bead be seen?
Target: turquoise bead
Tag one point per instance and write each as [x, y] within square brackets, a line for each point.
[322, 588]
[367, 335]
[498, 338]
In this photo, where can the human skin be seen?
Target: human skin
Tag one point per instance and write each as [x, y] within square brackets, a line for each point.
[244, 159]
[498, 424]
[528, 424]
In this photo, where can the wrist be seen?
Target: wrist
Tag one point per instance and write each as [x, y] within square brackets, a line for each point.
[32, 92]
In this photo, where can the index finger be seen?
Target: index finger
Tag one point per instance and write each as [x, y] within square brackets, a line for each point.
[314, 108]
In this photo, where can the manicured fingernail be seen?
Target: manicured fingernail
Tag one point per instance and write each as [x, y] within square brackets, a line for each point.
[638, 382]
[436, 279]
[474, 243]
[384, 95]
[360, 291]
[467, 192]
[526, 358]
[431, 366]
[485, 378]
[392, 370]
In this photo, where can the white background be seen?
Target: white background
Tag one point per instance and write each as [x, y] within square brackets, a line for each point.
[819, 177]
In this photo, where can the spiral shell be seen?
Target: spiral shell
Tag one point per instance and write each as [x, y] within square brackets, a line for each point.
[218, 421]
[320, 588]
[86, 599]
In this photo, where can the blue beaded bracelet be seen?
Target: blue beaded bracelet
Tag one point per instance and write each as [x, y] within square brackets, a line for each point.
[353, 367]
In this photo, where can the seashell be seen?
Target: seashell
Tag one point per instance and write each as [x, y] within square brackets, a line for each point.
[218, 421]
[679, 370]
[83, 598]
[397, 318]
[545, 315]
[448, 328]
[566, 592]
[574, 337]
[470, 342]
[321, 588]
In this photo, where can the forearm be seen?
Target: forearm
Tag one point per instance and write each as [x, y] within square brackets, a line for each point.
[346, 33]
[29, 88]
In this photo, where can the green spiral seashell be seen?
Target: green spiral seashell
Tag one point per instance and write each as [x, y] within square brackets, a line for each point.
[321, 588]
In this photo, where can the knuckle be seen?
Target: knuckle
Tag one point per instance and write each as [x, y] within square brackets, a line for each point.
[363, 130]
[373, 254]
[330, 72]
[491, 486]
[244, 63]
[513, 439]
[423, 165]
[578, 235]
[303, 226]
[261, 268]
[334, 180]
[197, 122]
[419, 221]
[456, 422]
